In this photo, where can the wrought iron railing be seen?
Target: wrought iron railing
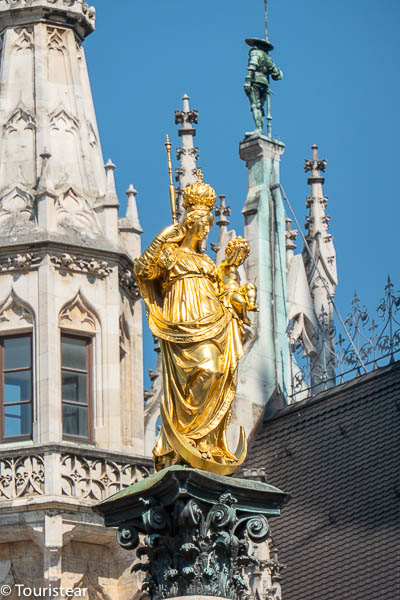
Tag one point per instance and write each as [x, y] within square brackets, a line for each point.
[370, 341]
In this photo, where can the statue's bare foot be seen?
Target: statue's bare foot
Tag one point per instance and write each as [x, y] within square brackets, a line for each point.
[247, 321]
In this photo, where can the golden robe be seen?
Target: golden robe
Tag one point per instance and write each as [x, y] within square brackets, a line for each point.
[200, 343]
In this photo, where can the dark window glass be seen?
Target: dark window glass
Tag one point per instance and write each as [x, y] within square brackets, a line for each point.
[75, 420]
[17, 352]
[76, 385]
[16, 386]
[74, 353]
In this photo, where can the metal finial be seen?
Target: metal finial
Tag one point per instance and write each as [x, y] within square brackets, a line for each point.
[266, 19]
[199, 174]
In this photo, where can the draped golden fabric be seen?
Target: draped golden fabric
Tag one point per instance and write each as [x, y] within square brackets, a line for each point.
[201, 345]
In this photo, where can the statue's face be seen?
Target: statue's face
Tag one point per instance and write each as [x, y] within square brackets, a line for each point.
[239, 256]
[201, 228]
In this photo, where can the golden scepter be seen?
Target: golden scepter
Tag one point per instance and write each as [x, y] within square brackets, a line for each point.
[172, 197]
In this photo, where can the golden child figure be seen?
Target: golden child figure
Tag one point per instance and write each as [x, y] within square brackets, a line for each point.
[240, 298]
[200, 339]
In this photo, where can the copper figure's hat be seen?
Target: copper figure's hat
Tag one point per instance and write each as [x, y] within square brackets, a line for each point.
[260, 44]
[199, 195]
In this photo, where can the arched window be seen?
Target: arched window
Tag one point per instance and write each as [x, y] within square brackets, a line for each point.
[78, 329]
[76, 385]
[16, 369]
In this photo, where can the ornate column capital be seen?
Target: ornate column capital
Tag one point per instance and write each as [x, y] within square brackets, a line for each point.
[197, 528]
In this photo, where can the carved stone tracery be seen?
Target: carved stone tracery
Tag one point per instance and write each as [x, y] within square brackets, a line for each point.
[56, 39]
[78, 315]
[16, 208]
[21, 476]
[81, 476]
[74, 211]
[62, 120]
[24, 40]
[21, 118]
[96, 478]
[15, 313]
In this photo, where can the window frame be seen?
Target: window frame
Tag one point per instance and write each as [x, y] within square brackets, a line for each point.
[26, 436]
[89, 340]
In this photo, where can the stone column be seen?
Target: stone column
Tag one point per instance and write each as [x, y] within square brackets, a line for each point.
[265, 367]
[198, 527]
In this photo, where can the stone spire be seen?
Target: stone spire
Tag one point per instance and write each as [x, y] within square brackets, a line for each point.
[131, 209]
[187, 154]
[222, 212]
[111, 203]
[130, 229]
[321, 269]
[47, 108]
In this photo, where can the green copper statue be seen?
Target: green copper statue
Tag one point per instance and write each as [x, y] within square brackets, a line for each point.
[257, 83]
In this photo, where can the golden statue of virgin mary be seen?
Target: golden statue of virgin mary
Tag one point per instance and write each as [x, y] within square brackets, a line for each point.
[200, 335]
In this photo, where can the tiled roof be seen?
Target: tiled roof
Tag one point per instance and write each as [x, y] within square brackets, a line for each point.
[339, 457]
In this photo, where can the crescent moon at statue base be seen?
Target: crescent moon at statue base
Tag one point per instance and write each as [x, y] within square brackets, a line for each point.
[192, 455]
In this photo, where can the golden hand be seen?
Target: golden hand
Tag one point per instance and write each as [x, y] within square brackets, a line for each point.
[172, 233]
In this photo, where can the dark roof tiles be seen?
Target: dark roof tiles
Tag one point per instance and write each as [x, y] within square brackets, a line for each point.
[338, 455]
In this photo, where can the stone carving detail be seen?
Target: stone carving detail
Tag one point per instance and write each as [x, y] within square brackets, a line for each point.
[78, 315]
[62, 120]
[76, 5]
[56, 39]
[193, 549]
[21, 476]
[92, 136]
[74, 211]
[20, 119]
[128, 282]
[96, 478]
[16, 208]
[14, 313]
[20, 262]
[182, 117]
[315, 165]
[194, 152]
[264, 575]
[24, 39]
[75, 264]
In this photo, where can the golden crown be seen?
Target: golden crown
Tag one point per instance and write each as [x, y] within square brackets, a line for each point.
[199, 195]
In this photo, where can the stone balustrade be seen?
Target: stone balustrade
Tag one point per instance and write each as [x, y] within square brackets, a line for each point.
[67, 471]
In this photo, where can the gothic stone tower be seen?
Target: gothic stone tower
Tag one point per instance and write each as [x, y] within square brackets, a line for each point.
[71, 391]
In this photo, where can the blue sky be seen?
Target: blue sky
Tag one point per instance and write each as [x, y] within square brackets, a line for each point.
[340, 90]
